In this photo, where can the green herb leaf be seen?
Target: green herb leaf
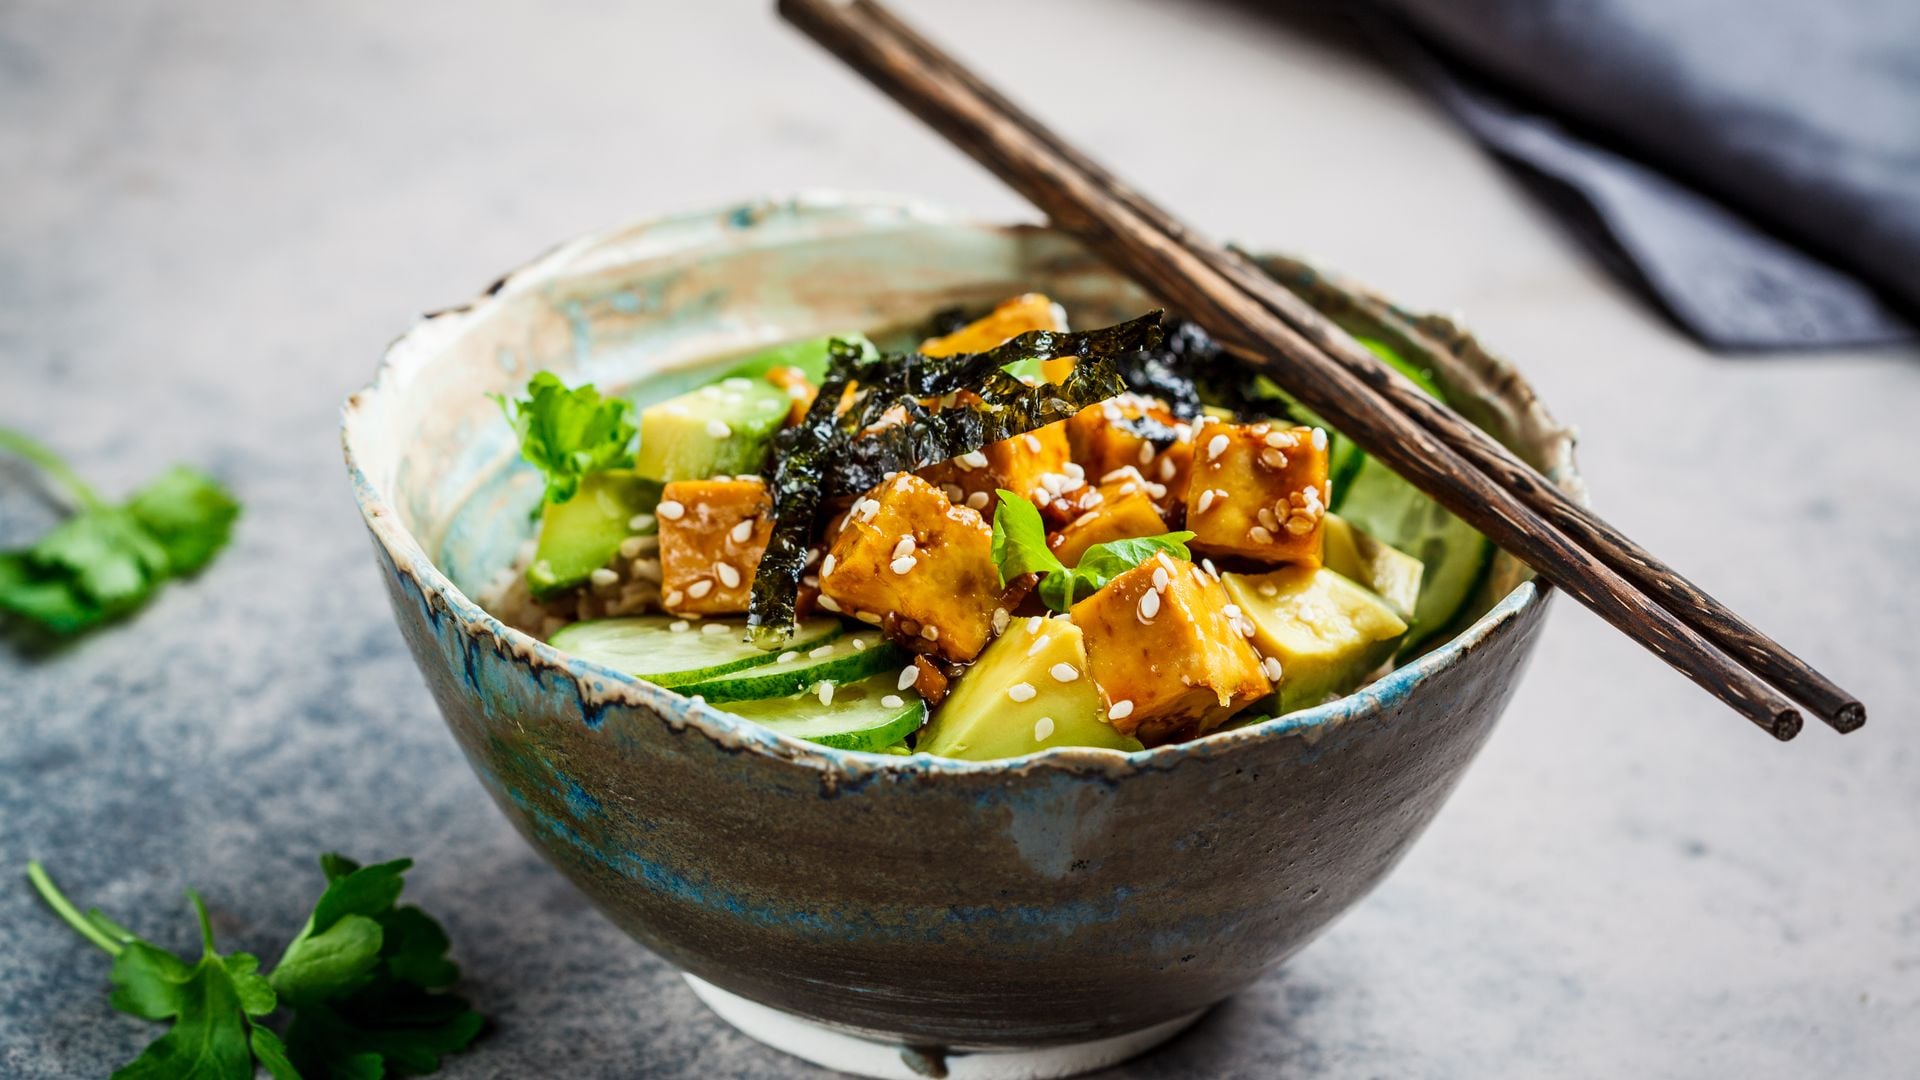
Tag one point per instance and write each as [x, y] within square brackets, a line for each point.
[105, 561]
[567, 434]
[1020, 547]
[209, 1004]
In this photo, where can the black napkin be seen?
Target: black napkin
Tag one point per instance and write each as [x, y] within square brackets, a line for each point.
[1754, 164]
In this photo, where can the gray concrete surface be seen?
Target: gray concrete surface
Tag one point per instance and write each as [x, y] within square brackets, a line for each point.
[214, 215]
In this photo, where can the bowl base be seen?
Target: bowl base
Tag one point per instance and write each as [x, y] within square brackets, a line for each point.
[846, 1053]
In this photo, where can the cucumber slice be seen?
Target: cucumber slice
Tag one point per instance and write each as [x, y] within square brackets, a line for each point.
[647, 647]
[843, 660]
[870, 714]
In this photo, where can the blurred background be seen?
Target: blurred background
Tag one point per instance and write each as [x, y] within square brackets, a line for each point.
[1691, 226]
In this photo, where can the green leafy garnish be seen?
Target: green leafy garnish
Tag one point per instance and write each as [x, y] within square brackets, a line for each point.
[1020, 547]
[362, 981]
[106, 560]
[567, 434]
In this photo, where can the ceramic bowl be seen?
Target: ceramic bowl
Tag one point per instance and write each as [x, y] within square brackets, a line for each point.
[1071, 898]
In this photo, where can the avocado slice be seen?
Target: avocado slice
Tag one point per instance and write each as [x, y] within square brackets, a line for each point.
[1385, 569]
[810, 356]
[582, 534]
[984, 717]
[1328, 633]
[723, 428]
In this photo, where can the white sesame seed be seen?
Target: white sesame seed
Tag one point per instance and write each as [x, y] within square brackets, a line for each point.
[1086, 518]
[1033, 443]
[1205, 501]
[825, 690]
[826, 567]
[892, 701]
[1217, 446]
[1259, 535]
[672, 598]
[1211, 570]
[822, 651]
[700, 588]
[1034, 623]
[1273, 459]
[859, 644]
[640, 523]
[828, 603]
[867, 617]
[646, 570]
[1120, 474]
[1319, 438]
[1160, 577]
[631, 547]
[930, 632]
[1064, 672]
[743, 531]
[903, 548]
[1092, 498]
[714, 628]
[953, 492]
[1146, 453]
[1039, 644]
[972, 459]
[903, 564]
[787, 657]
[1271, 667]
[670, 511]
[1269, 589]
[603, 577]
[1043, 729]
[1149, 605]
[1001, 618]
[1074, 470]
[678, 626]
[729, 576]
[978, 500]
[1022, 692]
[698, 699]
[718, 429]
[1129, 488]
[1269, 518]
[1158, 491]
[1168, 468]
[908, 676]
[1120, 710]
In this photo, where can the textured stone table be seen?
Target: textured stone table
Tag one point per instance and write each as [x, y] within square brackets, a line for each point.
[217, 214]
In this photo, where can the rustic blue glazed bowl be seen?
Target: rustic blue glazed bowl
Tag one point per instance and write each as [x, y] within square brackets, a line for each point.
[1067, 897]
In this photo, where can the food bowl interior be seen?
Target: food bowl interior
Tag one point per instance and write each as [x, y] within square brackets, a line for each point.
[655, 309]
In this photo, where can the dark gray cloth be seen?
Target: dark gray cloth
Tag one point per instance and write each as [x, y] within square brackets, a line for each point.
[1755, 164]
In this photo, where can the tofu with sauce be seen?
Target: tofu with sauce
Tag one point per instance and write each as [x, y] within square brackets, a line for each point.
[906, 550]
[1118, 510]
[712, 534]
[1259, 491]
[1103, 446]
[1168, 648]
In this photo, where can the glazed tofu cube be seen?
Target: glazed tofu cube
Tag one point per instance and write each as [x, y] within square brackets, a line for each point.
[1034, 464]
[1117, 510]
[1029, 311]
[1259, 491]
[712, 534]
[1169, 651]
[906, 551]
[1103, 447]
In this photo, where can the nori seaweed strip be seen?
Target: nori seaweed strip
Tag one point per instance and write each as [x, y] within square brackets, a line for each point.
[1191, 355]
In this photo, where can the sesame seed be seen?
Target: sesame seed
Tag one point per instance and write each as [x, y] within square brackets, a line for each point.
[825, 690]
[953, 492]
[827, 566]
[700, 588]
[1158, 491]
[1120, 474]
[1033, 443]
[678, 626]
[1064, 672]
[670, 511]
[1273, 459]
[698, 699]
[1043, 729]
[631, 547]
[867, 617]
[1231, 611]
[603, 577]
[743, 531]
[1211, 571]
[672, 598]
[1022, 692]
[1199, 576]
[859, 644]
[640, 522]
[1074, 470]
[787, 657]
[1034, 623]
[1204, 502]
[972, 459]
[1269, 518]
[1319, 438]
[1259, 535]
[1086, 518]
[714, 628]
[1129, 488]
[892, 701]
[822, 651]
[718, 429]
[1299, 525]
[1001, 618]
[1160, 577]
[930, 632]
[728, 575]
[646, 570]
[1093, 498]
[1120, 710]
[978, 500]
[903, 564]
[903, 548]
[1146, 453]
[827, 603]
[1217, 446]
[1269, 589]
[1149, 606]
[737, 382]
[1271, 667]
[1168, 468]
[908, 676]
[1039, 644]
[797, 391]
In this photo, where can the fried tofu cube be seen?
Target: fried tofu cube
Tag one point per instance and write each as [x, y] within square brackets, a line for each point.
[712, 534]
[1033, 464]
[1259, 491]
[1102, 445]
[1169, 651]
[1118, 510]
[905, 550]
[1008, 320]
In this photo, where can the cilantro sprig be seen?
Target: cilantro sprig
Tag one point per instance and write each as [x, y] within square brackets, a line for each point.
[567, 434]
[364, 982]
[106, 560]
[1020, 547]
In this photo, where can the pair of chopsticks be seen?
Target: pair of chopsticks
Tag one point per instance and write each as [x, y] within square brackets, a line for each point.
[1266, 325]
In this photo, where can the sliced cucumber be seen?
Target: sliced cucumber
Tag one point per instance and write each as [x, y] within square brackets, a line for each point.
[647, 647]
[870, 714]
[843, 660]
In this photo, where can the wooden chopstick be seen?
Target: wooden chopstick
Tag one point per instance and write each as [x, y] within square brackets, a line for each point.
[1687, 601]
[1168, 265]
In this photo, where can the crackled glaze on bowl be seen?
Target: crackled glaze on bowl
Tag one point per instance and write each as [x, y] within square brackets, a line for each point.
[1066, 896]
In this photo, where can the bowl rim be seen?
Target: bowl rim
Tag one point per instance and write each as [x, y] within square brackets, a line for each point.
[598, 686]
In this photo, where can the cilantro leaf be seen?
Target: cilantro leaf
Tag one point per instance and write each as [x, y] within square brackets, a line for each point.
[1020, 547]
[567, 434]
[104, 561]
[209, 1004]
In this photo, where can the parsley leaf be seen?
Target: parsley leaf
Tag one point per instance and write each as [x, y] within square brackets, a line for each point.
[105, 560]
[1020, 547]
[363, 980]
[570, 433]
